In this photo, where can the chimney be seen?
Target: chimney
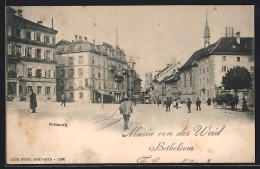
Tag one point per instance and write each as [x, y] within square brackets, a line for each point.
[76, 37]
[94, 42]
[238, 37]
[20, 13]
[39, 22]
[80, 37]
[86, 39]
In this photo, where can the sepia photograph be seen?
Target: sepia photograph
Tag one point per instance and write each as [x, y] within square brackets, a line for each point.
[130, 84]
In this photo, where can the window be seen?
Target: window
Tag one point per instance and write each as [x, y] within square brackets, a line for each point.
[9, 49]
[93, 72]
[28, 35]
[224, 58]
[104, 75]
[238, 59]
[18, 50]
[99, 85]
[80, 60]
[47, 39]
[71, 95]
[81, 95]
[38, 53]
[53, 39]
[62, 73]
[93, 60]
[47, 90]
[203, 71]
[208, 93]
[47, 55]
[71, 48]
[29, 72]
[29, 52]
[49, 73]
[224, 68]
[99, 74]
[70, 60]
[200, 71]
[80, 72]
[39, 73]
[199, 81]
[71, 72]
[18, 33]
[207, 69]
[86, 82]
[93, 84]
[38, 37]
[200, 93]
[29, 89]
[190, 79]
[184, 80]
[203, 81]
[39, 89]
[62, 84]
[207, 80]
[252, 68]
[250, 59]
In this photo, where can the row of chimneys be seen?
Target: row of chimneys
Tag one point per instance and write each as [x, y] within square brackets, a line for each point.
[20, 14]
[80, 38]
[230, 33]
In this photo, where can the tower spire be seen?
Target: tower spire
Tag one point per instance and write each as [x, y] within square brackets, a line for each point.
[206, 32]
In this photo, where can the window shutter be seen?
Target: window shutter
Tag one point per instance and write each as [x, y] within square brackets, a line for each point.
[51, 55]
[23, 51]
[9, 49]
[22, 34]
[43, 72]
[50, 39]
[33, 52]
[9, 31]
[32, 35]
[45, 90]
[51, 74]
[42, 37]
[33, 72]
[42, 54]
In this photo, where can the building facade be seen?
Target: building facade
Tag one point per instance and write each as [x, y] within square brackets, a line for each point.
[201, 75]
[148, 79]
[30, 58]
[89, 72]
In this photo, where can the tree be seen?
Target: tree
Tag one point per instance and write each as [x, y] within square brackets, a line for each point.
[237, 78]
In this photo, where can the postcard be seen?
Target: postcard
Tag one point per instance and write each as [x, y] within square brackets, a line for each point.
[130, 84]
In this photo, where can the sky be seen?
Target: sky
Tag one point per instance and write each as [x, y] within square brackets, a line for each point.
[151, 34]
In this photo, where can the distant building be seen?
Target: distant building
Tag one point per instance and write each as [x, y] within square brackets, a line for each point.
[165, 83]
[30, 58]
[148, 79]
[201, 75]
[90, 72]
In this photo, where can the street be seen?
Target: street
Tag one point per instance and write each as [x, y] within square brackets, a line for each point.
[92, 133]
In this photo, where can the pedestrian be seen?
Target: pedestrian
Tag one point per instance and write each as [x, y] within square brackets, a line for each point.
[158, 102]
[177, 103]
[209, 101]
[168, 104]
[63, 99]
[235, 102]
[198, 103]
[244, 106]
[189, 105]
[126, 109]
[33, 101]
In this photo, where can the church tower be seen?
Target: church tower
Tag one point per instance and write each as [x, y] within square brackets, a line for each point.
[206, 32]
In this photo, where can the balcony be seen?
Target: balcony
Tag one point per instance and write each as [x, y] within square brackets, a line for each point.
[112, 67]
[119, 77]
[11, 74]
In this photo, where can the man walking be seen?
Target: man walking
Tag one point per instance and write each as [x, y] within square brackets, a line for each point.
[177, 103]
[189, 105]
[63, 99]
[33, 101]
[126, 109]
[168, 104]
[198, 103]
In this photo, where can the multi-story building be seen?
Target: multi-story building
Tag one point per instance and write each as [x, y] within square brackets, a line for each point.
[90, 72]
[201, 75]
[30, 59]
[165, 83]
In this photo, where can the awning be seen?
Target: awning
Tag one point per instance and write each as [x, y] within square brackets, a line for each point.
[103, 92]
